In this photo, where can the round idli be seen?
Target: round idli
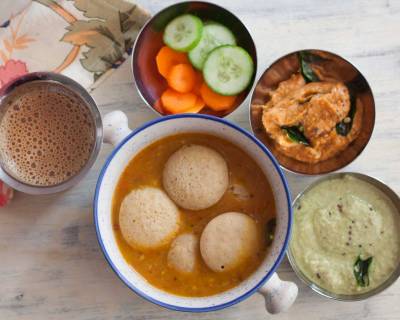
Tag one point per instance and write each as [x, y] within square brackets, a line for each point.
[148, 218]
[229, 240]
[196, 177]
[183, 253]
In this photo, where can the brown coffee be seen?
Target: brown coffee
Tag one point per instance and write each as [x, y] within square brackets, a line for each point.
[47, 133]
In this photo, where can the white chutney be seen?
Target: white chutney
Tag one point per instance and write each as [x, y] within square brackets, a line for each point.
[338, 222]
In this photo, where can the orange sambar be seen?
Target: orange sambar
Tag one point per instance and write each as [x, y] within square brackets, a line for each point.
[146, 168]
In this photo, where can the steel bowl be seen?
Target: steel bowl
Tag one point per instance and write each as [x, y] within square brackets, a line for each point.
[72, 88]
[149, 83]
[279, 295]
[341, 70]
[395, 199]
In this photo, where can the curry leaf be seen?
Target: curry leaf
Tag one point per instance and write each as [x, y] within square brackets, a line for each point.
[344, 126]
[305, 67]
[360, 270]
[270, 231]
[296, 135]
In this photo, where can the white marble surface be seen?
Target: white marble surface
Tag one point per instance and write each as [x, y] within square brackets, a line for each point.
[51, 266]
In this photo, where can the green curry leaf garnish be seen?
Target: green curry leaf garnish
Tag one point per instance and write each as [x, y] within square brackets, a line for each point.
[294, 133]
[270, 231]
[343, 128]
[305, 67]
[360, 270]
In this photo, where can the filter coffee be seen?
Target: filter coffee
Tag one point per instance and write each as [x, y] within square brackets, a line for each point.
[47, 133]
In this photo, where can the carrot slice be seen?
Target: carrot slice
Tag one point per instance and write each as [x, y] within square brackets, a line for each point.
[197, 106]
[176, 102]
[199, 82]
[214, 100]
[182, 77]
[167, 58]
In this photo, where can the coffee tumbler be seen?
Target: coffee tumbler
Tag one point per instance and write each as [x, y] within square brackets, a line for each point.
[116, 125]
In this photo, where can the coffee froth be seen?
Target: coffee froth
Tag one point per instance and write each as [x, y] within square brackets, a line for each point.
[47, 133]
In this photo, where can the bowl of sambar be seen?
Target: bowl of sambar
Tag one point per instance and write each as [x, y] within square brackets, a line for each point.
[255, 189]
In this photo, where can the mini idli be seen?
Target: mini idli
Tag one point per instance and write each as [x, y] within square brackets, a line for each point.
[195, 177]
[229, 240]
[182, 255]
[148, 218]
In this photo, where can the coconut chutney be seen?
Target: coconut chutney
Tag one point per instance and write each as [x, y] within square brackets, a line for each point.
[346, 236]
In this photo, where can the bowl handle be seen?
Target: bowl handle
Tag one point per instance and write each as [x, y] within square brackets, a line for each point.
[279, 295]
[115, 127]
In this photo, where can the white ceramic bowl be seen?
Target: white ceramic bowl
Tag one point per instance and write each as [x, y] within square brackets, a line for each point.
[279, 294]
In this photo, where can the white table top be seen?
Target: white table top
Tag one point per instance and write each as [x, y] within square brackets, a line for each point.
[51, 266]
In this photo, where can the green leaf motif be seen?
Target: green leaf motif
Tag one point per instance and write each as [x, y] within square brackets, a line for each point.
[103, 51]
[123, 19]
[125, 22]
[102, 9]
[110, 32]
[131, 21]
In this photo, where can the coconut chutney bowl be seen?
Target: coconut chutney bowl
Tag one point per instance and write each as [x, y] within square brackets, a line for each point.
[316, 269]
[322, 131]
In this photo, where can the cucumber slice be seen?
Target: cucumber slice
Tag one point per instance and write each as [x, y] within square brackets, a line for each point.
[228, 70]
[183, 33]
[214, 35]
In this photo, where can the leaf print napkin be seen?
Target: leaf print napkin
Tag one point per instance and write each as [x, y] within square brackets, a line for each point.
[83, 39]
[10, 8]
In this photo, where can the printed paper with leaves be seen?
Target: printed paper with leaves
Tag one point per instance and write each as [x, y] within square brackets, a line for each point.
[83, 39]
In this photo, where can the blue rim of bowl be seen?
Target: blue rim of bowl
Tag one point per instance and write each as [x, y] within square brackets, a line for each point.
[253, 139]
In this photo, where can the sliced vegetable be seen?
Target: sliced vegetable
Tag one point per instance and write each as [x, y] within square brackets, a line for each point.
[199, 82]
[294, 133]
[167, 58]
[183, 33]
[182, 78]
[360, 270]
[216, 101]
[214, 35]
[199, 104]
[176, 102]
[305, 67]
[228, 70]
[344, 126]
